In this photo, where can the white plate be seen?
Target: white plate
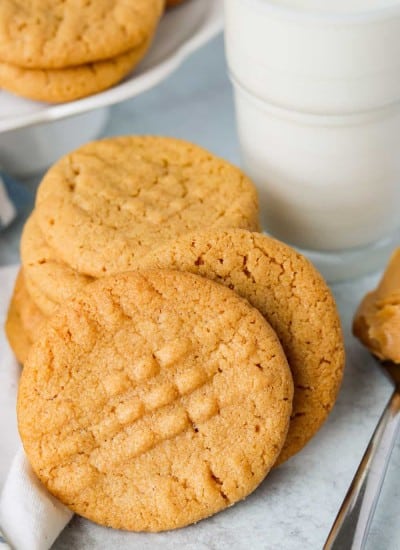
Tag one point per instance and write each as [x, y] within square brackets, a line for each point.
[181, 31]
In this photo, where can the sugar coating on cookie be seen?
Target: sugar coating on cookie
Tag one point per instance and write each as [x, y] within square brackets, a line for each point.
[141, 410]
[69, 84]
[292, 296]
[110, 202]
[48, 279]
[55, 34]
[24, 321]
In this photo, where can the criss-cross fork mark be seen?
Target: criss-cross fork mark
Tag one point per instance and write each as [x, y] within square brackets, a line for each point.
[138, 425]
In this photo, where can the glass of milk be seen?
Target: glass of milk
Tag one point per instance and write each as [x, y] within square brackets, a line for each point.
[317, 94]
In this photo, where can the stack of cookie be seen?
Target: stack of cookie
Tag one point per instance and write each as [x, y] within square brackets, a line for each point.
[100, 209]
[61, 51]
[183, 353]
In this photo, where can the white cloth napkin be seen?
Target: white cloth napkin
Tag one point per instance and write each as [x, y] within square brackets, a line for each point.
[30, 518]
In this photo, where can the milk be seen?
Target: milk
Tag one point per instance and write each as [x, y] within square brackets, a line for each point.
[313, 61]
[317, 94]
[325, 183]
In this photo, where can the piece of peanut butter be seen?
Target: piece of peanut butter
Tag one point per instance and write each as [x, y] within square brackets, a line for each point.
[377, 320]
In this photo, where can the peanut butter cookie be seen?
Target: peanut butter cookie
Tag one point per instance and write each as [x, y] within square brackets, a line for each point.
[48, 279]
[110, 202]
[377, 320]
[56, 34]
[24, 321]
[293, 298]
[60, 85]
[141, 410]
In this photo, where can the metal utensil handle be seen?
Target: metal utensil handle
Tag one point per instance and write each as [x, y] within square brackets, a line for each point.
[351, 526]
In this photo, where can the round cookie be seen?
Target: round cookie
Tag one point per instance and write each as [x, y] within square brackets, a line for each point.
[24, 321]
[294, 299]
[104, 206]
[48, 34]
[48, 279]
[58, 85]
[143, 411]
[376, 322]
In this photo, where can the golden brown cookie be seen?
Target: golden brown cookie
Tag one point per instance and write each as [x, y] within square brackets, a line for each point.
[58, 85]
[55, 34]
[24, 321]
[291, 295]
[377, 320]
[141, 410]
[110, 202]
[48, 279]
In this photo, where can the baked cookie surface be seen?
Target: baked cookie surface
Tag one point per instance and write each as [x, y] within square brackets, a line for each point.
[143, 411]
[55, 34]
[294, 299]
[110, 202]
[49, 280]
[60, 85]
[24, 321]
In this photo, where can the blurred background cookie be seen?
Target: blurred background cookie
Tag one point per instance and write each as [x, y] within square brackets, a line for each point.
[58, 85]
[61, 51]
[54, 35]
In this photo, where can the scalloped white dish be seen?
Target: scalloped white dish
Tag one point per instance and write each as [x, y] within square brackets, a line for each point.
[182, 31]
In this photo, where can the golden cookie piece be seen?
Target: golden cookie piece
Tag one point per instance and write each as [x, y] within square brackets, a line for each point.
[104, 206]
[145, 411]
[24, 322]
[377, 320]
[293, 298]
[56, 34]
[60, 85]
[49, 280]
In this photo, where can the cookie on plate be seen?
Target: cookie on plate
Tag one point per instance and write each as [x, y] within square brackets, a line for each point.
[48, 279]
[294, 299]
[105, 205]
[68, 84]
[55, 35]
[141, 410]
[24, 321]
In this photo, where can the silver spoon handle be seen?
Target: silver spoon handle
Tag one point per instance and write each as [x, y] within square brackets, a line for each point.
[351, 526]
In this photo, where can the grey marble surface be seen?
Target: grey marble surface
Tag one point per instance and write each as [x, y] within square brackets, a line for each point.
[295, 506]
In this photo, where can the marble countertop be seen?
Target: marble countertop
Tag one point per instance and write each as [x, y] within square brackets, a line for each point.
[295, 506]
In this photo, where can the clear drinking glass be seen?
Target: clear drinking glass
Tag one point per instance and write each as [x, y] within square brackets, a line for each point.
[317, 99]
